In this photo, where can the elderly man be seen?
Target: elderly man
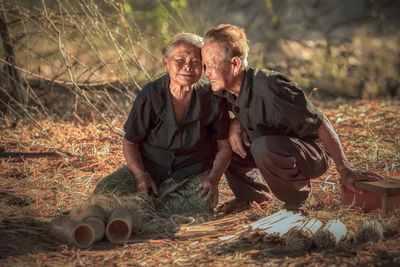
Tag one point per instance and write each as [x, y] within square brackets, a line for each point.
[284, 135]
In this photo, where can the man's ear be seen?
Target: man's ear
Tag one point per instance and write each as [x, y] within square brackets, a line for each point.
[236, 65]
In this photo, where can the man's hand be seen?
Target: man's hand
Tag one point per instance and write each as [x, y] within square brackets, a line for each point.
[209, 189]
[238, 137]
[144, 182]
[350, 175]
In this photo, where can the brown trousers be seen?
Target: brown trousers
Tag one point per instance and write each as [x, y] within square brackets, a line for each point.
[287, 165]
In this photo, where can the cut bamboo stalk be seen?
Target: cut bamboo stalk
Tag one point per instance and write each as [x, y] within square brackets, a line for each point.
[91, 227]
[369, 230]
[93, 210]
[119, 227]
[84, 235]
[95, 217]
[300, 238]
[330, 234]
[98, 227]
[62, 228]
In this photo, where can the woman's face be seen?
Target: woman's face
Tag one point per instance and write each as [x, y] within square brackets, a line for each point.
[184, 64]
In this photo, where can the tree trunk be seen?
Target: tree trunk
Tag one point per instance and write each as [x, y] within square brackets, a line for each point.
[10, 78]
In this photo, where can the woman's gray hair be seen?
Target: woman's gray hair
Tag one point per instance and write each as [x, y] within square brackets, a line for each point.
[187, 38]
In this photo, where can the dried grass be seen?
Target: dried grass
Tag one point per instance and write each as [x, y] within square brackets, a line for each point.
[35, 190]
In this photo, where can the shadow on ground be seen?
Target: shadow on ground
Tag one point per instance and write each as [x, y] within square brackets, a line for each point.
[27, 235]
[351, 253]
[19, 236]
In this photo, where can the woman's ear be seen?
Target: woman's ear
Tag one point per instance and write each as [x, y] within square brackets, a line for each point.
[165, 64]
[236, 65]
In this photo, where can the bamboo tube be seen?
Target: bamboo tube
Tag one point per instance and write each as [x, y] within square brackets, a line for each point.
[84, 235]
[119, 227]
[62, 228]
[98, 227]
[91, 227]
[330, 235]
[369, 230]
[95, 216]
[93, 210]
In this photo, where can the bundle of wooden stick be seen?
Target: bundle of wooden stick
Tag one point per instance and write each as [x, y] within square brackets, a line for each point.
[297, 231]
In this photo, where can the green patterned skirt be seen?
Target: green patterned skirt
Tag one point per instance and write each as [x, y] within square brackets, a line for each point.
[173, 197]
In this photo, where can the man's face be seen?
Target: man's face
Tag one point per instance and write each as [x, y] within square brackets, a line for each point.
[219, 72]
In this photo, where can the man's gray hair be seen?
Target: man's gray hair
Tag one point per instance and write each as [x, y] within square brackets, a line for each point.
[231, 40]
[187, 38]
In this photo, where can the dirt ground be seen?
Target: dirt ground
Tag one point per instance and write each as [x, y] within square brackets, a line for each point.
[35, 190]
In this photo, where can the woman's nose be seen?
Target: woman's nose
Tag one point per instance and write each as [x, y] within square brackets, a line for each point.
[188, 66]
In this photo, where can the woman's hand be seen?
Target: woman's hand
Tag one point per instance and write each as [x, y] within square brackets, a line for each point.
[222, 159]
[349, 175]
[238, 137]
[144, 183]
[209, 189]
[134, 162]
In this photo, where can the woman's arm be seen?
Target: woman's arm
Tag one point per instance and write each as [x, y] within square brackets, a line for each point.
[134, 162]
[349, 175]
[221, 162]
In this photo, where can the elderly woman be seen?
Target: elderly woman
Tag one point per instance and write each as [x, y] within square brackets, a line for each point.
[176, 134]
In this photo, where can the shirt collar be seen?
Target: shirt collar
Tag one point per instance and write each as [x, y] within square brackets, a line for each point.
[244, 93]
[194, 110]
[161, 99]
[245, 89]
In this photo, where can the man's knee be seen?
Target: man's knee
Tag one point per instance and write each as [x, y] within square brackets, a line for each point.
[265, 145]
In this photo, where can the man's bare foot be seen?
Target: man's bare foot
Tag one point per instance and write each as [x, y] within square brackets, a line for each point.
[296, 208]
[233, 205]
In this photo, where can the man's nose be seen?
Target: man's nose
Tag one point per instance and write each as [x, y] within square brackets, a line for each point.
[207, 71]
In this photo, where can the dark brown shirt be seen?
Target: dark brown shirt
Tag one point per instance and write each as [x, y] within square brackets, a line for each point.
[270, 104]
[176, 150]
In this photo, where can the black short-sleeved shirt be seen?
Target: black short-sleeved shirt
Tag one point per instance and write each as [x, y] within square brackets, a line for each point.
[269, 103]
[169, 149]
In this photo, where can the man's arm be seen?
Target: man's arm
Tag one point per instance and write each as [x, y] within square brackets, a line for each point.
[349, 175]
[237, 138]
[221, 162]
[134, 162]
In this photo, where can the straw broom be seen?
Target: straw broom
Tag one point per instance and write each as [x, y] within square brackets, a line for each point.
[330, 234]
[301, 237]
[369, 230]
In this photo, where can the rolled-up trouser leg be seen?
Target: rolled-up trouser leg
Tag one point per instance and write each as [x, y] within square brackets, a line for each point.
[242, 181]
[287, 164]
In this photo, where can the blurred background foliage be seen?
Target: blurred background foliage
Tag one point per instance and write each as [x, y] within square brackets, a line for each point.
[65, 57]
